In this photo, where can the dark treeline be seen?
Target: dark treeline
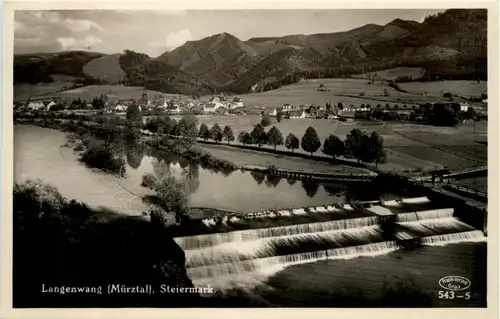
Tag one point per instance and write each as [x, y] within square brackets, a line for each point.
[28, 70]
[437, 114]
[141, 70]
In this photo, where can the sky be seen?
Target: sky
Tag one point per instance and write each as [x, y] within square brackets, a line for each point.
[154, 32]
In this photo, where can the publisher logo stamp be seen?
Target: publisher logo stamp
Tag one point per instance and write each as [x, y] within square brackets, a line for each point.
[454, 288]
[454, 283]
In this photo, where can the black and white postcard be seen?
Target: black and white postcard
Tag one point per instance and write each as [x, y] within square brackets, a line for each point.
[190, 159]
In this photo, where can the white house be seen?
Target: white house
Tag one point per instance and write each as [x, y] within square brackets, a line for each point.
[298, 114]
[217, 101]
[120, 108]
[287, 106]
[210, 108]
[51, 104]
[174, 108]
[36, 105]
[237, 102]
[464, 107]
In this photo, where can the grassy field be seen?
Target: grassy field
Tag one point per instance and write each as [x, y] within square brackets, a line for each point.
[409, 146]
[462, 88]
[393, 74]
[359, 91]
[254, 158]
[105, 68]
[26, 91]
[115, 91]
[465, 146]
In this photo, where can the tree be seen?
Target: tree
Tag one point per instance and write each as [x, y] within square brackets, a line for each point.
[244, 138]
[204, 133]
[274, 137]
[279, 115]
[442, 115]
[172, 197]
[188, 127]
[216, 133]
[340, 106]
[376, 151]
[353, 144]
[258, 135]
[379, 106]
[333, 146]
[98, 103]
[152, 125]
[292, 142]
[168, 125]
[266, 121]
[134, 115]
[310, 141]
[228, 134]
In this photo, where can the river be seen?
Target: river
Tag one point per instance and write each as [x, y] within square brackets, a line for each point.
[38, 153]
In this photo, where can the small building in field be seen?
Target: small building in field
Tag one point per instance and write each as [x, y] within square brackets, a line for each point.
[120, 108]
[210, 107]
[126, 102]
[174, 108]
[36, 105]
[464, 107]
[347, 115]
[217, 102]
[237, 103]
[300, 114]
[49, 105]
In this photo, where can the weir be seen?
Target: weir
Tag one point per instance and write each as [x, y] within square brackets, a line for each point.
[270, 265]
[250, 255]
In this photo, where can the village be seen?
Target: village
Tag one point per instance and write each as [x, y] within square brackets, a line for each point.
[221, 105]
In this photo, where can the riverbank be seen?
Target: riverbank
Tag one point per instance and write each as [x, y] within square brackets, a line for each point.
[248, 158]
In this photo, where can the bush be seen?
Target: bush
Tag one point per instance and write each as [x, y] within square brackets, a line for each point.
[149, 180]
[80, 147]
[35, 199]
[101, 158]
[266, 121]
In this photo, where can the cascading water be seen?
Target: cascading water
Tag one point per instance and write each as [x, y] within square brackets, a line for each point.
[277, 263]
[427, 214]
[288, 244]
[441, 240]
[200, 241]
[245, 258]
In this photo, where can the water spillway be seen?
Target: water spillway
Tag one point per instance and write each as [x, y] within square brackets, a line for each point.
[228, 259]
[199, 241]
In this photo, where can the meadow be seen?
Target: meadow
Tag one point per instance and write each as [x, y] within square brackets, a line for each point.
[393, 74]
[409, 146]
[113, 91]
[359, 91]
[25, 91]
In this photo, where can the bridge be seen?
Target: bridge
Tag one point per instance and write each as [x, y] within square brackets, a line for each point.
[436, 177]
[300, 175]
[468, 190]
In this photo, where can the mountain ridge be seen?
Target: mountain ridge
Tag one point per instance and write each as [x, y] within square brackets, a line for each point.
[449, 44]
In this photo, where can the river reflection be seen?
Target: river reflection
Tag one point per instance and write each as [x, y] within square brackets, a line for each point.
[38, 154]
